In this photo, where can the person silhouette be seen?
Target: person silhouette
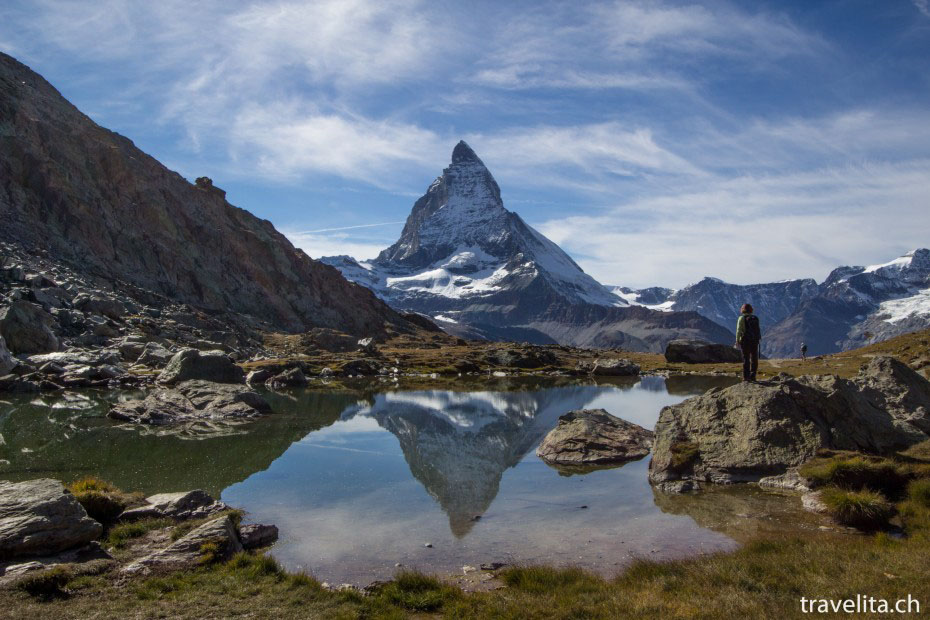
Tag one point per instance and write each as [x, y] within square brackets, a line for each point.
[748, 337]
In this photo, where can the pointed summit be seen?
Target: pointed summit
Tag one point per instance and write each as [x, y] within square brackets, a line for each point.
[464, 153]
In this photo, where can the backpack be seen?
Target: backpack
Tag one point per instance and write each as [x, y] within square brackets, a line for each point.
[753, 333]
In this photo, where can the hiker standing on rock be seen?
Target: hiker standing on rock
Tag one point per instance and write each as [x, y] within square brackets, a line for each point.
[748, 337]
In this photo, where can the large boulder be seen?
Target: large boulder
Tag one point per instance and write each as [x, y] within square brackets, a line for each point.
[753, 430]
[27, 328]
[191, 364]
[615, 368]
[154, 355]
[593, 437]
[700, 352]
[217, 538]
[7, 362]
[362, 367]
[40, 517]
[97, 303]
[193, 401]
[522, 358]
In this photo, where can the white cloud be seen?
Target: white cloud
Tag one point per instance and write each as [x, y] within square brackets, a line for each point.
[923, 6]
[755, 228]
[335, 244]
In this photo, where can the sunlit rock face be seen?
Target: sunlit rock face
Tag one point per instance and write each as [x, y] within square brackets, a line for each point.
[459, 444]
[479, 270]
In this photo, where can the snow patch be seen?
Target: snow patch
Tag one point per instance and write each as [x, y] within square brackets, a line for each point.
[896, 310]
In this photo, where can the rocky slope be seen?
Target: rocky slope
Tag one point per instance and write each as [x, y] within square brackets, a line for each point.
[853, 307]
[86, 196]
[480, 270]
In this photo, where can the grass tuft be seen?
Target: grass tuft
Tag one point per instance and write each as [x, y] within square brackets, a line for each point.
[121, 533]
[919, 492]
[865, 510]
[102, 501]
[47, 583]
[855, 473]
[415, 591]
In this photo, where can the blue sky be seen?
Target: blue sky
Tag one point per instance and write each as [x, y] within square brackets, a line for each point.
[657, 142]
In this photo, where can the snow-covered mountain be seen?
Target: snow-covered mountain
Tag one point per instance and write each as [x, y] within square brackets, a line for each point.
[853, 307]
[479, 270]
[459, 444]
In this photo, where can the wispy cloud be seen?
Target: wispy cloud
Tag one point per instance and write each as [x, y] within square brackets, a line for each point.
[323, 230]
[923, 6]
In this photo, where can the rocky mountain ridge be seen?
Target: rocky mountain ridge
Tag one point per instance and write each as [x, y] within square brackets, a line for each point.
[87, 198]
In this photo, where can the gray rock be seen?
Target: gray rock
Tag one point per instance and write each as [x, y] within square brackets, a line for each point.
[256, 535]
[791, 480]
[363, 367]
[368, 346]
[131, 350]
[193, 401]
[292, 377]
[27, 328]
[7, 361]
[189, 364]
[77, 357]
[195, 504]
[700, 352]
[188, 550]
[754, 430]
[813, 502]
[154, 355]
[258, 377]
[615, 368]
[97, 303]
[593, 436]
[40, 517]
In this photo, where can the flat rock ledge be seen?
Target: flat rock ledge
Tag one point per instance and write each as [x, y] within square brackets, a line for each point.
[594, 437]
[192, 401]
[197, 504]
[755, 432]
[41, 517]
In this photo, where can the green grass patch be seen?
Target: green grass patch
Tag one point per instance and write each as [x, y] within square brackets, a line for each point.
[918, 491]
[46, 583]
[103, 501]
[867, 510]
[120, 534]
[855, 472]
[415, 591]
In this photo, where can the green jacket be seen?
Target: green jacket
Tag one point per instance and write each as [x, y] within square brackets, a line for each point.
[740, 327]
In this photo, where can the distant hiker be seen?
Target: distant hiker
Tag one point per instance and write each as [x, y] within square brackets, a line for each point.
[803, 351]
[748, 337]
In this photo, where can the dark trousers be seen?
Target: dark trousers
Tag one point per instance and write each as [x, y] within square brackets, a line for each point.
[750, 359]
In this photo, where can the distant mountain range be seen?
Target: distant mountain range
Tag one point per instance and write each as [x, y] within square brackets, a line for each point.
[854, 306]
[480, 271]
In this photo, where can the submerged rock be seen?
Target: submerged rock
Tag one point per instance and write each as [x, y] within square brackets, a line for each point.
[189, 364]
[754, 430]
[192, 401]
[257, 535]
[593, 436]
[700, 352]
[40, 517]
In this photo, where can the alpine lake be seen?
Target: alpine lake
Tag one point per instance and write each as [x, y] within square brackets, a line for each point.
[364, 478]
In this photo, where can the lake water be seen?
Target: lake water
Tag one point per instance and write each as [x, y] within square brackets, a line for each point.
[359, 481]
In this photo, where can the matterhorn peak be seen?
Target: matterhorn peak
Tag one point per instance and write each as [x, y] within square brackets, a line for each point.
[464, 153]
